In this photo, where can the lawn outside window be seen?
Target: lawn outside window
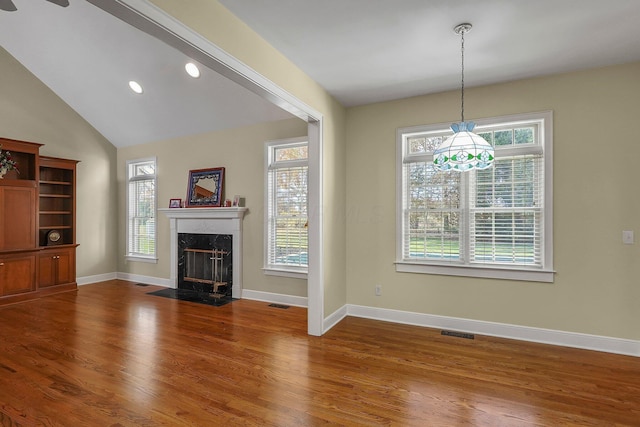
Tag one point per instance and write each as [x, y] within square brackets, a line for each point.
[494, 223]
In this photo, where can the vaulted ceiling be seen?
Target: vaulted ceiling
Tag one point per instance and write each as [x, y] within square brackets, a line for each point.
[361, 51]
[87, 57]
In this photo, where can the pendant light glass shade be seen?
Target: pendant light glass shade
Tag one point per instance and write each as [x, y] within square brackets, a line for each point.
[464, 150]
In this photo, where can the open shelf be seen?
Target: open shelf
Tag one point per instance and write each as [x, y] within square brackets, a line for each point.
[55, 182]
[57, 200]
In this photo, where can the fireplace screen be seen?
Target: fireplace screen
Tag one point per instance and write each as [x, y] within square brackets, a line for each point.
[204, 263]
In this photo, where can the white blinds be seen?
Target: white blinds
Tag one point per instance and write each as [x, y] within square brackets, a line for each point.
[141, 208]
[506, 211]
[287, 228]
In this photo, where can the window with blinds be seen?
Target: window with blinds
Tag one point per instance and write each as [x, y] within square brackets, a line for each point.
[493, 219]
[286, 235]
[141, 209]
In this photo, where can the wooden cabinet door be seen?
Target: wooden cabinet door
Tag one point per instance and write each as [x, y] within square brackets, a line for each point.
[46, 269]
[66, 272]
[17, 274]
[17, 217]
[56, 267]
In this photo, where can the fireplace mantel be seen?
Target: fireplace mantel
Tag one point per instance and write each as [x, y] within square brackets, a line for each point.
[207, 221]
[204, 213]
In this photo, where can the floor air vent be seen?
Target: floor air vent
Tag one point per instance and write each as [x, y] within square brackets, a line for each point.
[458, 334]
[141, 284]
[278, 305]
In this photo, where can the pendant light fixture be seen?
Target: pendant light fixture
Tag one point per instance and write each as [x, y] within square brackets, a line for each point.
[464, 150]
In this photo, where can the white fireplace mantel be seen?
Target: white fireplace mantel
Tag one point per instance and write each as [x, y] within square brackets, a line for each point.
[208, 221]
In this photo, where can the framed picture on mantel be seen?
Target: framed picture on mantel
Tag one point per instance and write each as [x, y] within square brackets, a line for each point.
[205, 188]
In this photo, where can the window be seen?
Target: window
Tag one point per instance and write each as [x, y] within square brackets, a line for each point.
[495, 222]
[141, 210]
[286, 235]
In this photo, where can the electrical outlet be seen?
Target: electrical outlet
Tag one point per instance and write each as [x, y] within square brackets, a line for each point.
[378, 290]
[627, 237]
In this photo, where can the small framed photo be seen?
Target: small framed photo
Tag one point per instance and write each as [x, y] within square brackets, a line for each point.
[175, 203]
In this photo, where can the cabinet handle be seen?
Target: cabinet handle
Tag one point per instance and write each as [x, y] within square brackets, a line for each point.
[1, 264]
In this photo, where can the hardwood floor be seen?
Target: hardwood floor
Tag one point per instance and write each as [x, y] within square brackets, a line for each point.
[110, 355]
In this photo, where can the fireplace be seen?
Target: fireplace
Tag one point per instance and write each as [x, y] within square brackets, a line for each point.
[205, 263]
[206, 249]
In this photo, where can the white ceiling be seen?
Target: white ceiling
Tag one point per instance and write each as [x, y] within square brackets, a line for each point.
[365, 51]
[361, 51]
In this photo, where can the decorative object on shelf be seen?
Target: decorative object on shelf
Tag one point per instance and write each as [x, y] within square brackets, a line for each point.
[464, 150]
[175, 203]
[206, 188]
[238, 201]
[6, 163]
[54, 238]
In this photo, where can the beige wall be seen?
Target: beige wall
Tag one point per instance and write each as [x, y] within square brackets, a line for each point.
[30, 111]
[596, 149]
[241, 153]
[213, 21]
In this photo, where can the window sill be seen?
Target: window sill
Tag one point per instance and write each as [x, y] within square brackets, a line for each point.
[530, 275]
[286, 272]
[150, 260]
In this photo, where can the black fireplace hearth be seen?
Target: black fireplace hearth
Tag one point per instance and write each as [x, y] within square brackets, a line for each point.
[192, 296]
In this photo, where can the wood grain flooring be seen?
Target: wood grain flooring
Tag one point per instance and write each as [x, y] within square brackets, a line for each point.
[111, 355]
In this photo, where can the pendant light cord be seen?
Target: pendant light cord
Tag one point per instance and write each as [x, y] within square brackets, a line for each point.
[462, 85]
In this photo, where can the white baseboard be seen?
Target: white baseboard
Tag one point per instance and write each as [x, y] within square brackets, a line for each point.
[274, 298]
[333, 319]
[502, 330]
[86, 280]
[148, 280]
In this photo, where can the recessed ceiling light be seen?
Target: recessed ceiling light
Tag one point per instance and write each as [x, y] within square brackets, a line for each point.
[135, 86]
[192, 70]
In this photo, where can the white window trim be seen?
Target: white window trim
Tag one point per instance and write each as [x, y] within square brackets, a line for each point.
[547, 273]
[280, 270]
[140, 258]
[285, 272]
